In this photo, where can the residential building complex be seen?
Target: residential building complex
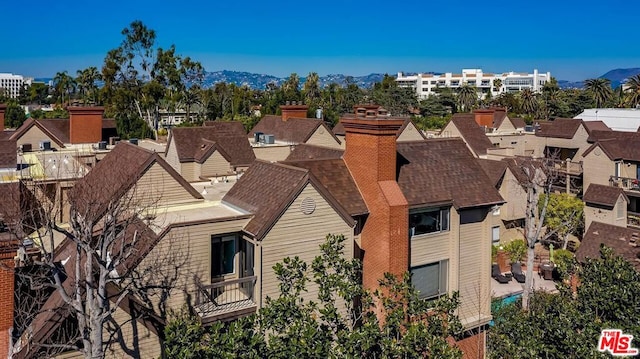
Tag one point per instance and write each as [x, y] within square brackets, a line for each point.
[12, 84]
[426, 84]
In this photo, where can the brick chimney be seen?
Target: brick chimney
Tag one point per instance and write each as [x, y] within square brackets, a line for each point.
[6, 298]
[484, 117]
[370, 156]
[85, 124]
[3, 109]
[293, 109]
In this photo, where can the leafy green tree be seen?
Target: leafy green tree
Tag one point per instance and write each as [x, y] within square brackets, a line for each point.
[397, 100]
[291, 88]
[600, 90]
[342, 323]
[497, 85]
[564, 215]
[311, 89]
[14, 115]
[86, 80]
[528, 101]
[568, 324]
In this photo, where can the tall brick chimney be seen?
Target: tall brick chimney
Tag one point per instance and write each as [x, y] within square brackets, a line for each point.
[293, 110]
[3, 109]
[85, 124]
[6, 299]
[484, 117]
[370, 156]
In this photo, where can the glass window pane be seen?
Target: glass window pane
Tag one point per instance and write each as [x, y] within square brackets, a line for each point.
[228, 256]
[426, 279]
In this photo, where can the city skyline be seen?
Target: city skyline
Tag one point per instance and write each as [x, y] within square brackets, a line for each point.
[355, 37]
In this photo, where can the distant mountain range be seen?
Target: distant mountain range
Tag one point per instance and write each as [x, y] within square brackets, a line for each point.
[260, 81]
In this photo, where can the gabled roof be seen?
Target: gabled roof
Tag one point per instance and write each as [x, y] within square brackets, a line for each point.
[498, 118]
[596, 126]
[334, 175]
[56, 128]
[232, 127]
[599, 135]
[471, 132]
[495, 170]
[338, 129]
[443, 171]
[8, 153]
[112, 177]
[603, 195]
[559, 128]
[517, 166]
[517, 122]
[625, 149]
[312, 152]
[266, 190]
[294, 130]
[622, 240]
[198, 143]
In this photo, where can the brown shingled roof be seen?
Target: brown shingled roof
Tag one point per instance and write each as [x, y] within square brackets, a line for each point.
[622, 240]
[517, 122]
[596, 126]
[56, 128]
[618, 148]
[495, 170]
[603, 195]
[310, 152]
[198, 143]
[443, 171]
[471, 132]
[334, 175]
[233, 127]
[295, 130]
[8, 153]
[559, 128]
[109, 180]
[599, 135]
[338, 129]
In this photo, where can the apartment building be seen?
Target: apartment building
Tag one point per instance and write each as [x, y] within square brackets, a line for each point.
[12, 84]
[427, 84]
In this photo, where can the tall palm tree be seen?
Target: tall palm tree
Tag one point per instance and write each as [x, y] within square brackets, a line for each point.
[312, 87]
[633, 90]
[497, 84]
[600, 90]
[529, 101]
[189, 98]
[86, 80]
[63, 84]
[467, 97]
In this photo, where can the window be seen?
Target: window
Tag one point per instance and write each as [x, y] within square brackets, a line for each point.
[223, 254]
[495, 235]
[620, 208]
[430, 280]
[429, 221]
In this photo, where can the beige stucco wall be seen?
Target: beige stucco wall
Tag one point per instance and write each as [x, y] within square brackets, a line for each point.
[410, 133]
[171, 156]
[597, 168]
[33, 136]
[323, 137]
[272, 153]
[157, 186]
[215, 165]
[605, 215]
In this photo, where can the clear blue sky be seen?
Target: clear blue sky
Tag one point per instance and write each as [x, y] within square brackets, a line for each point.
[572, 39]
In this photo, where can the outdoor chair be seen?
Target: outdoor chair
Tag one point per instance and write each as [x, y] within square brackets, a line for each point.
[516, 270]
[497, 275]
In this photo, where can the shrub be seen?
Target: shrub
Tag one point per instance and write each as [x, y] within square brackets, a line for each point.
[516, 250]
[565, 262]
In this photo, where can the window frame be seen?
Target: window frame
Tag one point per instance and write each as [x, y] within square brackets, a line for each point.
[221, 238]
[443, 212]
[443, 279]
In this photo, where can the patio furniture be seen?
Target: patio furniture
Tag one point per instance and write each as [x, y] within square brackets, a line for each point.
[516, 270]
[495, 274]
[546, 270]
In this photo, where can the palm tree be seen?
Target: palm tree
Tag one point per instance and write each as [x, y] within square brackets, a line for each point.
[529, 102]
[86, 80]
[467, 97]
[497, 84]
[189, 98]
[312, 87]
[63, 83]
[633, 90]
[600, 90]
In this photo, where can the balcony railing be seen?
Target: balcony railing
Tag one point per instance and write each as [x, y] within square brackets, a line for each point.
[226, 299]
[627, 184]
[568, 167]
[633, 219]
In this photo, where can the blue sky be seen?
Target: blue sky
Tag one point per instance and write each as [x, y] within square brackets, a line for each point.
[572, 39]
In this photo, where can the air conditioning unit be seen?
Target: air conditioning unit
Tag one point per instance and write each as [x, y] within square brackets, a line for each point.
[45, 145]
[133, 141]
[26, 147]
[256, 137]
[269, 139]
[102, 145]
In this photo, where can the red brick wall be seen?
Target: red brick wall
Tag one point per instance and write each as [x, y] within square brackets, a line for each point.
[293, 111]
[473, 347]
[370, 156]
[3, 108]
[484, 117]
[85, 124]
[6, 301]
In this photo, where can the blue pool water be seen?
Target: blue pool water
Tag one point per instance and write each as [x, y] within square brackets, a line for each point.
[510, 299]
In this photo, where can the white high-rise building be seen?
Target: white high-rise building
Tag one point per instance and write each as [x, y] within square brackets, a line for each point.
[427, 84]
[13, 83]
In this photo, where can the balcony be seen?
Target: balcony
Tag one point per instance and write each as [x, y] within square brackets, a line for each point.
[565, 167]
[226, 300]
[633, 219]
[627, 184]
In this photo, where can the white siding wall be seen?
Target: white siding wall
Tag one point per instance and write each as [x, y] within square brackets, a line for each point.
[216, 164]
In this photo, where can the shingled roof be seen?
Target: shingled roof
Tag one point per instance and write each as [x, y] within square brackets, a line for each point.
[517, 122]
[338, 129]
[443, 171]
[294, 130]
[471, 132]
[559, 128]
[8, 153]
[233, 127]
[112, 177]
[56, 128]
[266, 189]
[624, 148]
[310, 152]
[495, 170]
[603, 195]
[198, 143]
[334, 175]
[600, 135]
[622, 240]
[596, 126]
